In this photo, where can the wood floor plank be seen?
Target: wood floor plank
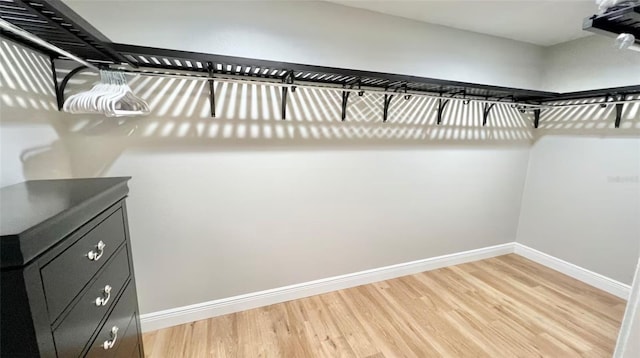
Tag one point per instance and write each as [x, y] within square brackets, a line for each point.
[385, 335]
[516, 305]
[359, 341]
[564, 314]
[222, 336]
[566, 311]
[417, 321]
[505, 306]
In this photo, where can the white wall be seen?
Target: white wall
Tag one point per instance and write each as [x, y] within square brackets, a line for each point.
[236, 222]
[581, 201]
[246, 202]
[320, 33]
[582, 198]
[28, 118]
[589, 63]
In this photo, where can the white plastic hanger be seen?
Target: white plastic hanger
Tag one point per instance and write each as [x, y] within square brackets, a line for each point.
[111, 97]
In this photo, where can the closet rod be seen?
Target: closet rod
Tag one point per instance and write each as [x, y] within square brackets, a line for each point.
[382, 92]
[9, 27]
[320, 87]
[551, 106]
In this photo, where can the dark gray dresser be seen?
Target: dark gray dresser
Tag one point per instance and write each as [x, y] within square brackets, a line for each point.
[67, 285]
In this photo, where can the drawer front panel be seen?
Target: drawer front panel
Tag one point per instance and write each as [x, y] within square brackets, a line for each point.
[136, 353]
[73, 333]
[123, 317]
[65, 276]
[129, 340]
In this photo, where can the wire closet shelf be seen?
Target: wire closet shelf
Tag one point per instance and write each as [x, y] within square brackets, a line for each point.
[51, 27]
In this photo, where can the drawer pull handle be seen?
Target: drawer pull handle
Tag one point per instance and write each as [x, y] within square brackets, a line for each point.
[97, 254]
[106, 295]
[109, 343]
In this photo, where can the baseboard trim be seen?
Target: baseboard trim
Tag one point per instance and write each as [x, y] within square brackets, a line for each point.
[175, 316]
[594, 279]
[180, 315]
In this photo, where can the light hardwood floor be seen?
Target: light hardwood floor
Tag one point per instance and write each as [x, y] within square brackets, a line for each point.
[506, 306]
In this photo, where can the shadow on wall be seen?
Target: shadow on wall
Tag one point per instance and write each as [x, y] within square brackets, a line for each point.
[249, 118]
[250, 114]
[590, 120]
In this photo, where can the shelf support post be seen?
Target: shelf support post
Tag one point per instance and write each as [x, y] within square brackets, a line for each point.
[619, 107]
[536, 117]
[212, 89]
[63, 85]
[345, 99]
[385, 109]
[485, 112]
[441, 106]
[285, 90]
[288, 78]
[345, 96]
[60, 100]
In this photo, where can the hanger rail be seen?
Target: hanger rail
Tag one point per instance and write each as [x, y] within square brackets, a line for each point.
[488, 105]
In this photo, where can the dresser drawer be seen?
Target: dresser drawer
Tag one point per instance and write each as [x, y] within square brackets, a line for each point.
[136, 353]
[108, 342]
[65, 276]
[73, 333]
[129, 343]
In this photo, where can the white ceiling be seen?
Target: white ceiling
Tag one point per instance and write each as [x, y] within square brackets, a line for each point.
[538, 22]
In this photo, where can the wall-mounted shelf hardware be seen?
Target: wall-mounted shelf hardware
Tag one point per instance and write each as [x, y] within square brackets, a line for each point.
[617, 20]
[536, 118]
[288, 79]
[485, 112]
[385, 108]
[604, 93]
[59, 88]
[619, 107]
[175, 60]
[345, 99]
[442, 104]
[61, 33]
[212, 89]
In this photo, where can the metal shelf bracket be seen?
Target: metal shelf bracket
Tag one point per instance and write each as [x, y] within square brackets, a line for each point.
[619, 108]
[288, 78]
[485, 112]
[212, 89]
[385, 109]
[442, 104]
[345, 95]
[536, 118]
[59, 88]
[345, 99]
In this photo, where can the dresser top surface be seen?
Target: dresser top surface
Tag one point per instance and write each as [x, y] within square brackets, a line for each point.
[25, 205]
[33, 211]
